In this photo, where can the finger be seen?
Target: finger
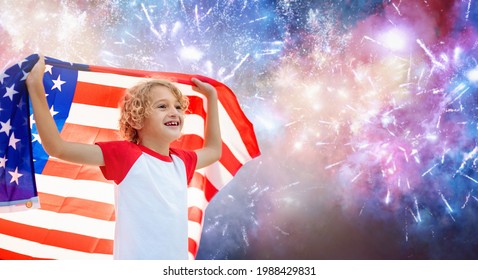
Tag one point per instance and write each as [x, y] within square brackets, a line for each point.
[199, 86]
[197, 82]
[41, 57]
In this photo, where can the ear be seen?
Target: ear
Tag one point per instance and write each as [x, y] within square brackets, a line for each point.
[135, 125]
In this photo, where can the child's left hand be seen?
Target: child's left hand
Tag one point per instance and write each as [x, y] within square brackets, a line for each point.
[35, 77]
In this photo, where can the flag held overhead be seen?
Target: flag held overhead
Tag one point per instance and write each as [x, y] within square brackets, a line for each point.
[76, 218]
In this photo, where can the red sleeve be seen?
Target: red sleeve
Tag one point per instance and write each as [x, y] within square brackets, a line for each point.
[190, 160]
[119, 156]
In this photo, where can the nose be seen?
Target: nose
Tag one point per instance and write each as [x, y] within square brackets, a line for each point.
[173, 111]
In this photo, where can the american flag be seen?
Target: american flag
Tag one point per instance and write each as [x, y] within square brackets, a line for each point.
[72, 216]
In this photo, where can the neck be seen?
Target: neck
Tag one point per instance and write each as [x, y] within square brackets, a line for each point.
[162, 149]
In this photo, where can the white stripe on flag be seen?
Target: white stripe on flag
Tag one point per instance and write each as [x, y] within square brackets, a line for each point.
[232, 138]
[194, 231]
[108, 79]
[194, 124]
[64, 222]
[196, 198]
[96, 116]
[38, 250]
[85, 189]
[217, 174]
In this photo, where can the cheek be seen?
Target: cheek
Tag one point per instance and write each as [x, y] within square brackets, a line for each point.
[182, 117]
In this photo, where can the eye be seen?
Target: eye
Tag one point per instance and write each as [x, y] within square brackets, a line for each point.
[161, 106]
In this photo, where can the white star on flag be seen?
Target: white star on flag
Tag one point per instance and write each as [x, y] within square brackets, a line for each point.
[10, 92]
[25, 75]
[3, 161]
[3, 76]
[52, 111]
[32, 121]
[15, 175]
[36, 137]
[13, 141]
[5, 127]
[21, 62]
[57, 83]
[48, 68]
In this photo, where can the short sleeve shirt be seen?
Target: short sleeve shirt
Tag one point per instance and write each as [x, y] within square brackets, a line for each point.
[150, 200]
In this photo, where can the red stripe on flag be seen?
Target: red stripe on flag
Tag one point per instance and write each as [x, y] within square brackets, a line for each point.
[98, 95]
[59, 168]
[88, 134]
[229, 161]
[66, 240]
[10, 255]
[192, 246]
[243, 125]
[210, 190]
[201, 182]
[78, 206]
[195, 214]
[196, 106]
[193, 142]
[188, 141]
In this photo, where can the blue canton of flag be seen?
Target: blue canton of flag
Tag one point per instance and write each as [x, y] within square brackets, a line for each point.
[19, 138]
[17, 179]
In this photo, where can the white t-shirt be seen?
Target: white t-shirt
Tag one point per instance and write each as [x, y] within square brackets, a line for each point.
[150, 200]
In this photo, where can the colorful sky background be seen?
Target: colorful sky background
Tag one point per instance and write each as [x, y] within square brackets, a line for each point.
[365, 111]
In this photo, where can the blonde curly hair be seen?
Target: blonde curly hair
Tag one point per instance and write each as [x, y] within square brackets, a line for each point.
[136, 106]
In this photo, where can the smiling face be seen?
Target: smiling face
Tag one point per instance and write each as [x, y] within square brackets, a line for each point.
[165, 120]
[141, 101]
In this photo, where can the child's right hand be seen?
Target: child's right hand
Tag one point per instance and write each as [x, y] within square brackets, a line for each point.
[205, 88]
[35, 76]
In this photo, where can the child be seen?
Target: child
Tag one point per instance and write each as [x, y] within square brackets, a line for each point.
[151, 177]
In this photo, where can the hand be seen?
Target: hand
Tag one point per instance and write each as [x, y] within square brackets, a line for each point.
[205, 88]
[37, 72]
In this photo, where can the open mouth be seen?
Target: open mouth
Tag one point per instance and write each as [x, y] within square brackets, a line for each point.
[172, 123]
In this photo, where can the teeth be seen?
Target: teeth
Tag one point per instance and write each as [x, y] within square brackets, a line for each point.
[172, 123]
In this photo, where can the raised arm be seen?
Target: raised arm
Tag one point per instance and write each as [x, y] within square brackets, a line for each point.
[52, 142]
[212, 148]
